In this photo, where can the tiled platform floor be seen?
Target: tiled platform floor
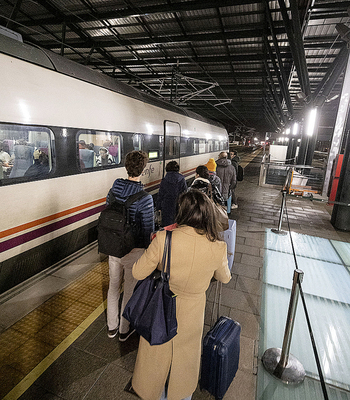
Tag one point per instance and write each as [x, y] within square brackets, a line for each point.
[96, 367]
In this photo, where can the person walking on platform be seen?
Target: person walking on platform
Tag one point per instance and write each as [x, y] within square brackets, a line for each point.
[196, 256]
[171, 186]
[227, 173]
[141, 213]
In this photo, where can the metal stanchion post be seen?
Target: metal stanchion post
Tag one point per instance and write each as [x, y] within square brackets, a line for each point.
[279, 230]
[278, 361]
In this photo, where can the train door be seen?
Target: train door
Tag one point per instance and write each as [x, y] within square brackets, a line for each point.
[172, 134]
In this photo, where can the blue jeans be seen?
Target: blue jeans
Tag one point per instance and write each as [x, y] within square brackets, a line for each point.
[229, 202]
[164, 395]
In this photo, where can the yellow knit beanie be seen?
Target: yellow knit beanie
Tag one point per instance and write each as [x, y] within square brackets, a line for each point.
[211, 164]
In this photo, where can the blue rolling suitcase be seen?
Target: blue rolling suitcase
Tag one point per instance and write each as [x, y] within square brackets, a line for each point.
[220, 355]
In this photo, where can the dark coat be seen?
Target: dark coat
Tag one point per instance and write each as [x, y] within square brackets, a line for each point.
[227, 173]
[141, 212]
[37, 170]
[235, 161]
[171, 186]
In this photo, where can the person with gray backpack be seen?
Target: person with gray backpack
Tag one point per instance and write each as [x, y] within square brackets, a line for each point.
[124, 232]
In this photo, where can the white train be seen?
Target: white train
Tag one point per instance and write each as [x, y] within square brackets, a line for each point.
[52, 191]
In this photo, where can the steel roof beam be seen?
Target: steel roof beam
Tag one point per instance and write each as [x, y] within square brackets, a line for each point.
[228, 53]
[283, 78]
[270, 117]
[146, 10]
[248, 58]
[249, 32]
[284, 91]
[272, 109]
[297, 56]
[300, 47]
[331, 77]
[10, 23]
[273, 91]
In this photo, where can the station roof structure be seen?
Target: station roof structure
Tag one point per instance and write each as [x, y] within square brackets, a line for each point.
[254, 66]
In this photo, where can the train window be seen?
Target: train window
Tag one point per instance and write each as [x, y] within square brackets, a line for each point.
[25, 151]
[216, 145]
[172, 147]
[210, 145]
[137, 141]
[172, 139]
[152, 145]
[98, 148]
[186, 146]
[183, 146]
[195, 146]
[201, 146]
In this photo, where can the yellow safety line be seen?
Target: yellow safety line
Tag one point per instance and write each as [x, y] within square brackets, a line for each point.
[33, 375]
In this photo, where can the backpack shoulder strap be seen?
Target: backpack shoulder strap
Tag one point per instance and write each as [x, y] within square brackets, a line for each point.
[111, 197]
[137, 196]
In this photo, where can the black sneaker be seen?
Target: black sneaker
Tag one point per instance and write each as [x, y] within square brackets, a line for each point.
[112, 333]
[125, 336]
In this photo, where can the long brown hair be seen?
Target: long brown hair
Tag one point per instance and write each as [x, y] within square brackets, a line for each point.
[196, 210]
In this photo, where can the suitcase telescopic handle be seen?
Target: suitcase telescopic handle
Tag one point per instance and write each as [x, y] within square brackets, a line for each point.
[217, 302]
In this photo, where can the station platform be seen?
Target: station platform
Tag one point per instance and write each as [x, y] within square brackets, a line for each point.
[53, 335]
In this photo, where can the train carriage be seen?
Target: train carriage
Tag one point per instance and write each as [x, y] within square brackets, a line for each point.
[58, 114]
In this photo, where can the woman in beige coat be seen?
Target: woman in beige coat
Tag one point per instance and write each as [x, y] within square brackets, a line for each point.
[196, 256]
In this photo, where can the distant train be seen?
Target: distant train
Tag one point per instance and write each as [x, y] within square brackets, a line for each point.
[64, 132]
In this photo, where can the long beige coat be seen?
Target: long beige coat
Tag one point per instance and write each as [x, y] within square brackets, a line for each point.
[194, 261]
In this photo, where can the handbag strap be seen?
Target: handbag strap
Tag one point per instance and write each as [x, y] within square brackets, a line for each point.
[166, 255]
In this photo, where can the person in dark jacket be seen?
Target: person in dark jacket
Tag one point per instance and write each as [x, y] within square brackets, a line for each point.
[202, 183]
[40, 168]
[227, 173]
[141, 213]
[171, 186]
[235, 159]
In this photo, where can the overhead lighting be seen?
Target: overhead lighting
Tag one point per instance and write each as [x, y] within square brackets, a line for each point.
[149, 128]
[295, 128]
[311, 122]
[332, 98]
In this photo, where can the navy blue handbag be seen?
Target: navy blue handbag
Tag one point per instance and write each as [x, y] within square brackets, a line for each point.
[151, 309]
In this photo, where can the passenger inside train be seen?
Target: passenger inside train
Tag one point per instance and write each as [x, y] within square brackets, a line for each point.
[104, 158]
[40, 168]
[20, 148]
[86, 155]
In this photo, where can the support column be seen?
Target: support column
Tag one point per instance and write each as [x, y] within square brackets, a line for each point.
[303, 145]
[341, 214]
[340, 123]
